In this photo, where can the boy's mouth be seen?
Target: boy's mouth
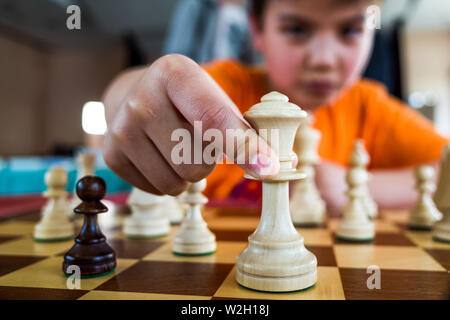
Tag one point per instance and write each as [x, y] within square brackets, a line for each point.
[319, 87]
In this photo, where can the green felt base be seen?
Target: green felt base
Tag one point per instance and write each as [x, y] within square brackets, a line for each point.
[441, 240]
[92, 275]
[54, 239]
[192, 254]
[175, 223]
[354, 240]
[277, 292]
[135, 236]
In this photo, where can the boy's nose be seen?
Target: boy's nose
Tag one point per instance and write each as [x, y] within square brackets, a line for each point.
[322, 52]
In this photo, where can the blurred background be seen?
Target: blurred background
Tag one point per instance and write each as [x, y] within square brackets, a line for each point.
[51, 77]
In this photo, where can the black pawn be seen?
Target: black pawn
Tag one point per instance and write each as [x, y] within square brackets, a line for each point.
[90, 252]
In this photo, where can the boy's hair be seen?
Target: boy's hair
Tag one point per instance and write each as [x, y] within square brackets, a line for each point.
[257, 7]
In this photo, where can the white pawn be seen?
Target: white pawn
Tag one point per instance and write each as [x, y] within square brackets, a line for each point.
[175, 210]
[307, 206]
[54, 224]
[194, 237]
[424, 214]
[441, 229]
[355, 224]
[148, 219]
[364, 159]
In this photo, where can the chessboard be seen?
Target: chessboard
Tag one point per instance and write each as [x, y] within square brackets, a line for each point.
[411, 264]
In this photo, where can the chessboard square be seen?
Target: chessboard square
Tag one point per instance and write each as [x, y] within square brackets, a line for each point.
[381, 239]
[424, 239]
[385, 257]
[441, 256]
[248, 224]
[380, 225]
[328, 287]
[395, 284]
[26, 246]
[119, 295]
[119, 234]
[394, 216]
[186, 278]
[231, 235]
[133, 248]
[316, 236]
[17, 228]
[7, 238]
[12, 263]
[226, 252]
[325, 255]
[48, 274]
[23, 293]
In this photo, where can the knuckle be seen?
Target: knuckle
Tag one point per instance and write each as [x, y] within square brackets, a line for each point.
[173, 187]
[194, 173]
[170, 65]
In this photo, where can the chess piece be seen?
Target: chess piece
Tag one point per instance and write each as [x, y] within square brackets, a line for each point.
[364, 159]
[424, 214]
[441, 229]
[86, 167]
[91, 253]
[149, 218]
[276, 259]
[194, 237]
[307, 206]
[54, 224]
[175, 210]
[355, 224]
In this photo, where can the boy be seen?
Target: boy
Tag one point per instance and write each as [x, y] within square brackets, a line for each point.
[315, 52]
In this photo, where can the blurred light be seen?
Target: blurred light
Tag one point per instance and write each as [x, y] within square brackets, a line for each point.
[93, 118]
[417, 100]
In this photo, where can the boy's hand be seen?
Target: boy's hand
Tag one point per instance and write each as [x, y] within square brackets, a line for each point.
[144, 107]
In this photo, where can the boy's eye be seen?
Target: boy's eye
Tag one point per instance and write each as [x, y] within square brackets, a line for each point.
[351, 32]
[294, 30]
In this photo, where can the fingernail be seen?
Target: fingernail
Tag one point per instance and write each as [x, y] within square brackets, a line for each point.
[263, 165]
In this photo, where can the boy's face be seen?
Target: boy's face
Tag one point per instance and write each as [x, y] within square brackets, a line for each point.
[313, 48]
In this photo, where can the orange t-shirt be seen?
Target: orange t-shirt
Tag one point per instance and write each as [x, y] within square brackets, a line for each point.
[394, 134]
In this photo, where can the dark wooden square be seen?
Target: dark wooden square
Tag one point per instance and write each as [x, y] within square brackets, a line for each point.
[442, 256]
[186, 278]
[133, 248]
[381, 239]
[396, 285]
[10, 263]
[325, 255]
[22, 293]
[231, 235]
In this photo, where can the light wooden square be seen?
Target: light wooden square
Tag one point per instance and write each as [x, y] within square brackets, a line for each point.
[48, 274]
[316, 237]
[17, 228]
[328, 287]
[28, 247]
[226, 252]
[388, 257]
[425, 240]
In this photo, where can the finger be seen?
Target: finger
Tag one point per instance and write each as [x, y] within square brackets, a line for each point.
[199, 98]
[126, 170]
[167, 128]
[147, 159]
